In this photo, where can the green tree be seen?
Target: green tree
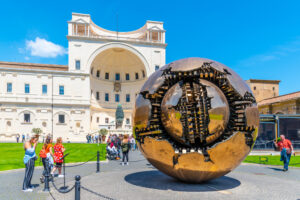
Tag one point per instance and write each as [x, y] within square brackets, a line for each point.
[119, 116]
[37, 131]
[103, 131]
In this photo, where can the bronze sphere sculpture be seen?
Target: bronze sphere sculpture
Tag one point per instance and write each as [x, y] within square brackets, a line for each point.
[195, 119]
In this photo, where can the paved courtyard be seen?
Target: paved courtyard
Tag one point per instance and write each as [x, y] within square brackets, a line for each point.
[140, 180]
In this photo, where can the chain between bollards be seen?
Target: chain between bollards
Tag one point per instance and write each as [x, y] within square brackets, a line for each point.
[98, 162]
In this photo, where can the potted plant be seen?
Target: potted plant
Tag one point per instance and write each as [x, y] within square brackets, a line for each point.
[103, 132]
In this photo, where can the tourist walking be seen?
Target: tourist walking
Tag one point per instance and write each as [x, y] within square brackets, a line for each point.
[29, 160]
[132, 143]
[18, 138]
[59, 150]
[125, 149]
[286, 148]
[23, 138]
[49, 153]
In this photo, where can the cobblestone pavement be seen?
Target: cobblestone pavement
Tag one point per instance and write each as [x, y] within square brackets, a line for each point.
[140, 180]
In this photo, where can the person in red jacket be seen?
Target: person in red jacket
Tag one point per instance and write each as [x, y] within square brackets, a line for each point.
[59, 150]
[286, 148]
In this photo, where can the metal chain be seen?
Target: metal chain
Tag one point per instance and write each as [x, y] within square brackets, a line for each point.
[82, 163]
[95, 193]
[62, 191]
[51, 195]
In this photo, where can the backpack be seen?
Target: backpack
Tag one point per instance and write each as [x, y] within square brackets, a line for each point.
[125, 147]
[43, 153]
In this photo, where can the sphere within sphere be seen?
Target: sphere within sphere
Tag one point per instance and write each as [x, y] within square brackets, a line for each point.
[195, 119]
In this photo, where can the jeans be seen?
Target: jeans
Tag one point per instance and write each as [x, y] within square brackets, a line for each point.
[285, 158]
[125, 156]
[28, 174]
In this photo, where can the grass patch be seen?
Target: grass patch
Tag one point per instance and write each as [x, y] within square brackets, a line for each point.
[273, 160]
[12, 154]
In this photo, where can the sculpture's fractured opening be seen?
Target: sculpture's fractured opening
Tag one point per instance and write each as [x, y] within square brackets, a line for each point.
[204, 103]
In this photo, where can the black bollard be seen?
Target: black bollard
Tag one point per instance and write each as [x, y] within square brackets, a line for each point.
[98, 162]
[47, 178]
[77, 187]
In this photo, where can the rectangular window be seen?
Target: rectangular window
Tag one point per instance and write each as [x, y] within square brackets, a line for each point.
[156, 67]
[61, 90]
[106, 120]
[77, 64]
[97, 96]
[136, 76]
[127, 97]
[44, 89]
[127, 121]
[27, 118]
[106, 97]
[61, 119]
[143, 73]
[97, 119]
[107, 76]
[9, 87]
[117, 76]
[117, 98]
[27, 88]
[98, 74]
[127, 77]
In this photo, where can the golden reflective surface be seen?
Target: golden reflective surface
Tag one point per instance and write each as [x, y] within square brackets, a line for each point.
[195, 119]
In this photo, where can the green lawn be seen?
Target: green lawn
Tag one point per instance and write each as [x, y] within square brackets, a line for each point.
[273, 160]
[12, 154]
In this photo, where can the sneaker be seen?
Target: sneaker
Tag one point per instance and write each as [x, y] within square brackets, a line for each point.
[127, 163]
[27, 190]
[122, 164]
[60, 176]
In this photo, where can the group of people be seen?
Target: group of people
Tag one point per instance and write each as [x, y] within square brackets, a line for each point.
[51, 156]
[93, 138]
[122, 143]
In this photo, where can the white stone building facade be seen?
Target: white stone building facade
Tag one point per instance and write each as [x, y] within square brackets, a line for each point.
[106, 68]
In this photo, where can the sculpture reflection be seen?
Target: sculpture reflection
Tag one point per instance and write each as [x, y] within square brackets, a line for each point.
[195, 119]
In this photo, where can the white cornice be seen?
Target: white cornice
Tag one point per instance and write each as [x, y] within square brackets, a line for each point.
[43, 71]
[115, 40]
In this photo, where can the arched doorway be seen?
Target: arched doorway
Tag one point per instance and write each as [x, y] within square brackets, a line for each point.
[116, 76]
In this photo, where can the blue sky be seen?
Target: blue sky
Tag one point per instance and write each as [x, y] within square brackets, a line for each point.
[258, 39]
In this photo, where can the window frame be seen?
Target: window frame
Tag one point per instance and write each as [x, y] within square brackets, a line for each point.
[59, 119]
[117, 97]
[76, 66]
[27, 121]
[63, 90]
[136, 76]
[7, 88]
[107, 97]
[106, 75]
[27, 89]
[127, 77]
[98, 74]
[43, 92]
[127, 98]
[97, 95]
[117, 76]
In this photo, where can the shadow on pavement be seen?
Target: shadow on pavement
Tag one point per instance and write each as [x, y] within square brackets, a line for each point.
[157, 180]
[275, 169]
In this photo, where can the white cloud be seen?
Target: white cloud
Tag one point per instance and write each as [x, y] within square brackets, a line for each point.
[26, 58]
[43, 48]
[277, 53]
